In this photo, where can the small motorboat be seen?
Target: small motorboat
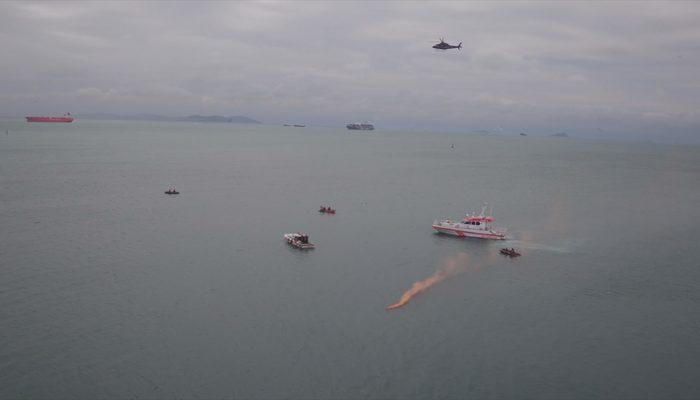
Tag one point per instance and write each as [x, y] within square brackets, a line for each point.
[172, 190]
[326, 210]
[299, 240]
[510, 252]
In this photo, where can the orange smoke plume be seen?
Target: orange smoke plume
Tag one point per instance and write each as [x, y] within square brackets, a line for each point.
[449, 269]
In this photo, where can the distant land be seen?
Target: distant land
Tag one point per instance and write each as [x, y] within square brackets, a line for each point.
[238, 119]
[560, 134]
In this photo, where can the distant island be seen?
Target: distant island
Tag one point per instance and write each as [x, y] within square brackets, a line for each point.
[560, 134]
[238, 119]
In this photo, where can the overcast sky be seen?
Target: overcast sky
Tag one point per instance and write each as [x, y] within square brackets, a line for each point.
[618, 69]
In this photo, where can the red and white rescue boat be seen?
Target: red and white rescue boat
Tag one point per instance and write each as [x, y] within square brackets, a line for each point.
[476, 226]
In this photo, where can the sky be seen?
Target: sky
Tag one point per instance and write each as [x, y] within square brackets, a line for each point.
[592, 69]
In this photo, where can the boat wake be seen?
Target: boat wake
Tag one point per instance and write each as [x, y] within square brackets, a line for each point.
[449, 269]
[537, 246]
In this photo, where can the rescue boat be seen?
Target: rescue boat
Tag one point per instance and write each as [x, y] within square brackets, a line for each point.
[299, 240]
[476, 226]
[510, 252]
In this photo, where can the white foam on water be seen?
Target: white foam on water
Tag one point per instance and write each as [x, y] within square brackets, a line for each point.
[536, 246]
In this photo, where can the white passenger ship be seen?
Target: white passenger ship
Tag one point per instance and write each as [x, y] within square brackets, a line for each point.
[476, 226]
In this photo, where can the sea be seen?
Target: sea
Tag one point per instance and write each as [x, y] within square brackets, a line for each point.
[110, 288]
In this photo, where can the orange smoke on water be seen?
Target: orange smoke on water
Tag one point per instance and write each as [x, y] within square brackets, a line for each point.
[450, 268]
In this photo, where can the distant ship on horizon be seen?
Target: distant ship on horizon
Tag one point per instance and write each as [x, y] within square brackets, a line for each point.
[363, 126]
[65, 118]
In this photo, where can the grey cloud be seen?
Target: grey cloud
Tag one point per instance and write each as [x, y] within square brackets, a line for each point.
[568, 66]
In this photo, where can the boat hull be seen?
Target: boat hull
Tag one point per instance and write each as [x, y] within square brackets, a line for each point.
[456, 230]
[50, 119]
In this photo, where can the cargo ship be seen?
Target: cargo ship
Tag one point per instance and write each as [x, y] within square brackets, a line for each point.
[65, 118]
[363, 126]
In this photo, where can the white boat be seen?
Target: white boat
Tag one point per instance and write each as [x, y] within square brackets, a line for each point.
[476, 226]
[299, 240]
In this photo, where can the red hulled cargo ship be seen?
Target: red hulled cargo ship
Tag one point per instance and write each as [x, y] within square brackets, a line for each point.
[65, 118]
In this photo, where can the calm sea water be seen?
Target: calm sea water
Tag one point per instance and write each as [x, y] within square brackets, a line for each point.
[111, 289]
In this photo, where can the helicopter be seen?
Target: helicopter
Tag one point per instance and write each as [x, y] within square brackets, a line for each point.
[446, 46]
